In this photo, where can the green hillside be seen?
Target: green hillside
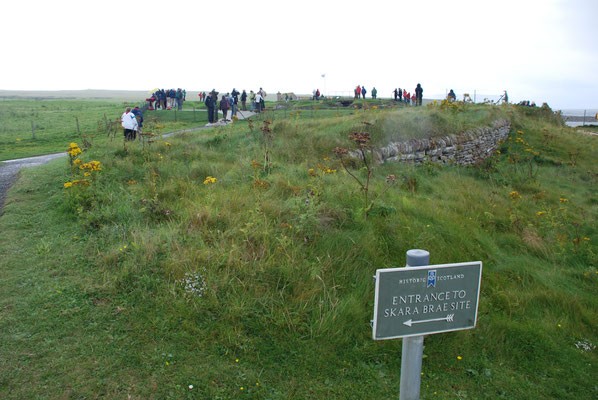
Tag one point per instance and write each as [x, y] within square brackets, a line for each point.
[237, 262]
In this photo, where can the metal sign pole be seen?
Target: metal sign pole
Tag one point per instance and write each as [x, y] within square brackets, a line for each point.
[413, 347]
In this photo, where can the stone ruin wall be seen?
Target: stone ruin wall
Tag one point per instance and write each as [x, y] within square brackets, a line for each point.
[466, 148]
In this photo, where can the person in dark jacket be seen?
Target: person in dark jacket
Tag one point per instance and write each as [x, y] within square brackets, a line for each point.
[400, 95]
[419, 93]
[224, 104]
[210, 104]
[244, 100]
[139, 115]
[179, 99]
[235, 103]
[363, 92]
[451, 97]
[162, 101]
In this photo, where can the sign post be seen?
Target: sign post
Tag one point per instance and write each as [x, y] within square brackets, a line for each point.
[420, 300]
[413, 347]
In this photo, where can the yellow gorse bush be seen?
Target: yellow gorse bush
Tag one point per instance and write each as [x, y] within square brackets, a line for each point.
[73, 150]
[514, 195]
[209, 179]
[91, 166]
[82, 182]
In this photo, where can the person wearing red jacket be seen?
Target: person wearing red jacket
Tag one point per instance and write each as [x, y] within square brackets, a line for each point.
[358, 91]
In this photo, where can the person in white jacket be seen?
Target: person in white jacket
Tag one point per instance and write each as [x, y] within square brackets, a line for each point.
[129, 122]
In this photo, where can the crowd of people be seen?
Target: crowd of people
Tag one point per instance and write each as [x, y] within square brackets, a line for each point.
[527, 103]
[230, 101]
[132, 122]
[167, 99]
[400, 95]
[161, 99]
[415, 98]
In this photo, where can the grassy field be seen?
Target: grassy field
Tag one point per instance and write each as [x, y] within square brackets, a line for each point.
[55, 123]
[237, 263]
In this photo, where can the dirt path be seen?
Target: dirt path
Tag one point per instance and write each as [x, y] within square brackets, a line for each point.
[9, 171]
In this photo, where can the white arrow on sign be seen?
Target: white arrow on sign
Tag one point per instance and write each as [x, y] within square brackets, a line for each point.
[448, 318]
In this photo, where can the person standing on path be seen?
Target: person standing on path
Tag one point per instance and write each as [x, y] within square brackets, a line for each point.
[129, 123]
[179, 99]
[235, 103]
[419, 94]
[215, 101]
[400, 95]
[263, 100]
[374, 92]
[358, 92]
[363, 92]
[244, 100]
[252, 100]
[210, 105]
[224, 106]
[258, 102]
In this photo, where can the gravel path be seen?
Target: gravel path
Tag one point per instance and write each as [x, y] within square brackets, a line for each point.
[9, 170]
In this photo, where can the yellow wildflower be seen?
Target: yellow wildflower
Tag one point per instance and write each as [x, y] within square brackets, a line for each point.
[209, 179]
[514, 195]
[256, 164]
[540, 213]
[68, 185]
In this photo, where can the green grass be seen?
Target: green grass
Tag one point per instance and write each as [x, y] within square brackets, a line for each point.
[55, 123]
[286, 267]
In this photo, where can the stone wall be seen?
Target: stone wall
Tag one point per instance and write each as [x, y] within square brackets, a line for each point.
[463, 149]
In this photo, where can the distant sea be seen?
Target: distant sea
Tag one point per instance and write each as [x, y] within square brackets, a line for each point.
[575, 116]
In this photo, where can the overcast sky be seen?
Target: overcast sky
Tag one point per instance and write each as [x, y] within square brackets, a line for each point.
[541, 50]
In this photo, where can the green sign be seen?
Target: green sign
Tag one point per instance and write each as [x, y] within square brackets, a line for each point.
[414, 301]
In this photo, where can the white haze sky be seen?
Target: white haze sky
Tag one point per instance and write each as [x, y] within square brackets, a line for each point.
[540, 50]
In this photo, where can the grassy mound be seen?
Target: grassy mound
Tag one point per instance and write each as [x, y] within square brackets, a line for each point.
[237, 263]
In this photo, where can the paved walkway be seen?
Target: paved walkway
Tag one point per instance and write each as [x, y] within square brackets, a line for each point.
[9, 169]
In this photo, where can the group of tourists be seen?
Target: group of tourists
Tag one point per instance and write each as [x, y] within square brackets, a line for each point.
[132, 122]
[230, 101]
[415, 98]
[527, 103]
[167, 99]
[360, 92]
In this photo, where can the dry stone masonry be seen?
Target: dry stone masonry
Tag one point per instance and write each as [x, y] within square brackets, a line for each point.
[466, 148]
